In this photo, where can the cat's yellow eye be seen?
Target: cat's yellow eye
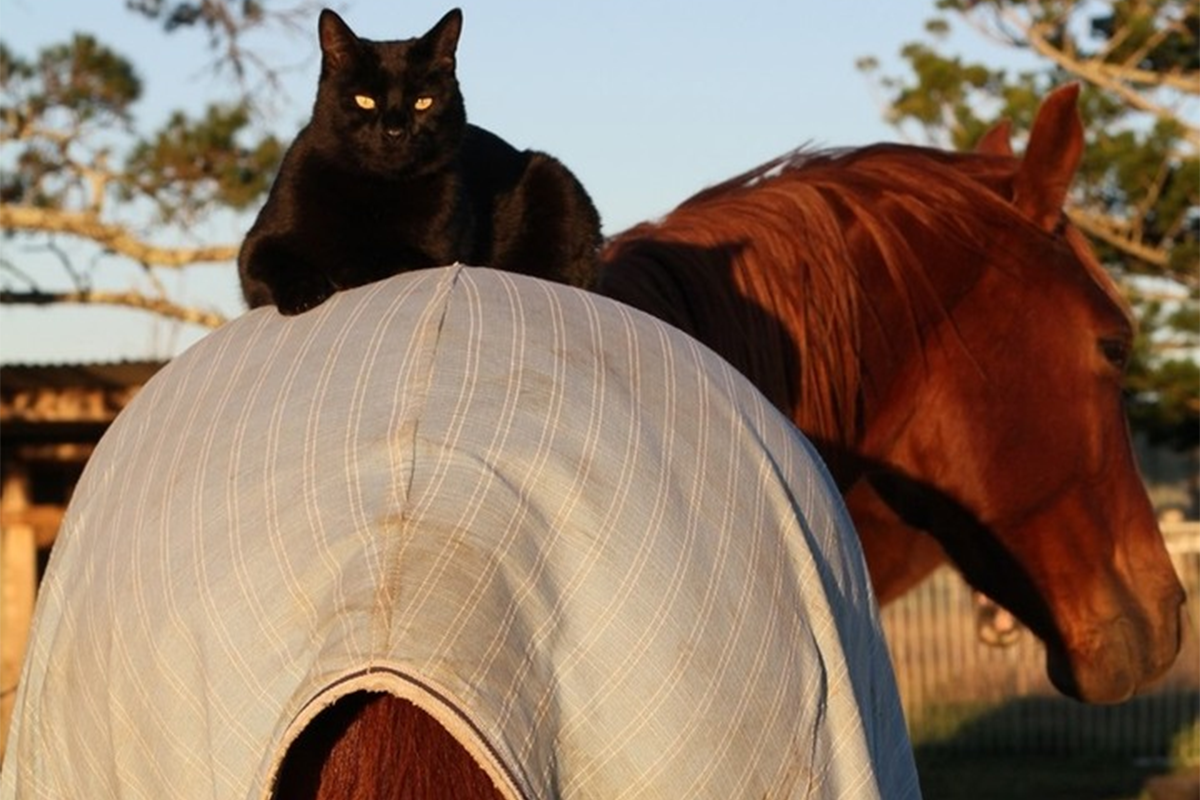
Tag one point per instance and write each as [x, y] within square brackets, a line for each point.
[364, 102]
[423, 103]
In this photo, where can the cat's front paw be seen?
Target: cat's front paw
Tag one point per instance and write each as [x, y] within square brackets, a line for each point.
[299, 294]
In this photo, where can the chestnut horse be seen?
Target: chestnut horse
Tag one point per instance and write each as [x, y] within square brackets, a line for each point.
[950, 344]
[947, 340]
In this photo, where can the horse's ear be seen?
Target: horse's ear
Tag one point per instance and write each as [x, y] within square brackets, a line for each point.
[997, 141]
[1048, 167]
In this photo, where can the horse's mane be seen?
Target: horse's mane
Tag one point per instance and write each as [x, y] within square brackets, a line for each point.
[810, 242]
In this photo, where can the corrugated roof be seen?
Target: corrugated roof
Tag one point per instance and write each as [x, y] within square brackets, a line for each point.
[109, 375]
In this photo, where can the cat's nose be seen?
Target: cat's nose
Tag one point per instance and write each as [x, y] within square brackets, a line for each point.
[393, 133]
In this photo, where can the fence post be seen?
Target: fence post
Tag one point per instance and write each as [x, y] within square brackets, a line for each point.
[18, 585]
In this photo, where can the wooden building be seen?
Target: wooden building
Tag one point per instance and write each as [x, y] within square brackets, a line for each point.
[51, 417]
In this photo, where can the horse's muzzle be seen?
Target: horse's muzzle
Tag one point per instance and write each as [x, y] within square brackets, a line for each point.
[1116, 658]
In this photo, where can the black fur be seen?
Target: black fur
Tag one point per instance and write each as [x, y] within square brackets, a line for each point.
[365, 193]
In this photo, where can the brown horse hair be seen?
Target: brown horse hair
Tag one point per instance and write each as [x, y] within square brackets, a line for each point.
[375, 746]
[824, 216]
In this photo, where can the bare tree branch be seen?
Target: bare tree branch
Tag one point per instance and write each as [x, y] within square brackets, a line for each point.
[230, 27]
[1017, 28]
[1102, 228]
[113, 237]
[1187, 83]
[132, 299]
[1111, 78]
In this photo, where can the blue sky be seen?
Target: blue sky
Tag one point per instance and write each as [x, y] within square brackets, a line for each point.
[645, 101]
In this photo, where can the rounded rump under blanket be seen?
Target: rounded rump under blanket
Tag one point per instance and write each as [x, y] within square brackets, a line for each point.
[569, 532]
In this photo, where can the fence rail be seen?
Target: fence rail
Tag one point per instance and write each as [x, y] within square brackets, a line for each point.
[961, 694]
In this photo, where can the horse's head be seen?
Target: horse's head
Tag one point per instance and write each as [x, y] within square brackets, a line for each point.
[1022, 466]
[947, 340]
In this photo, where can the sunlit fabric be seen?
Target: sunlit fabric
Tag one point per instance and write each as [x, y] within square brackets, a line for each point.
[570, 533]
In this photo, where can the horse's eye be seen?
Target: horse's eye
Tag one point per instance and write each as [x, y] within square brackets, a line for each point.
[364, 102]
[1116, 352]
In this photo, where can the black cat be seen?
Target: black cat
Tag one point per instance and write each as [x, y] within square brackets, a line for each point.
[389, 177]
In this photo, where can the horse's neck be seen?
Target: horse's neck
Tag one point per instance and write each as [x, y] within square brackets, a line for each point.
[826, 315]
[909, 332]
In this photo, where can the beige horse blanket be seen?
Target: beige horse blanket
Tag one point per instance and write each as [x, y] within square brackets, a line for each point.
[569, 532]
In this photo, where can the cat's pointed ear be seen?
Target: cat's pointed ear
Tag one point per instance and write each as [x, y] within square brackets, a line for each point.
[338, 42]
[443, 37]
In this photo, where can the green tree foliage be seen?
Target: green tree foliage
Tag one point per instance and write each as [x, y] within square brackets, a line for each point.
[190, 164]
[1137, 193]
[77, 171]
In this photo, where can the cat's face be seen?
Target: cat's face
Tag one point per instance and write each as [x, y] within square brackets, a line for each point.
[391, 109]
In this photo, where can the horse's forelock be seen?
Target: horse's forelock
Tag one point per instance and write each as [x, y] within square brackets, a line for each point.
[1108, 287]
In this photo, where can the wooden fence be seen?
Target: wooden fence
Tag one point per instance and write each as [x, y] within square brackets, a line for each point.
[962, 694]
